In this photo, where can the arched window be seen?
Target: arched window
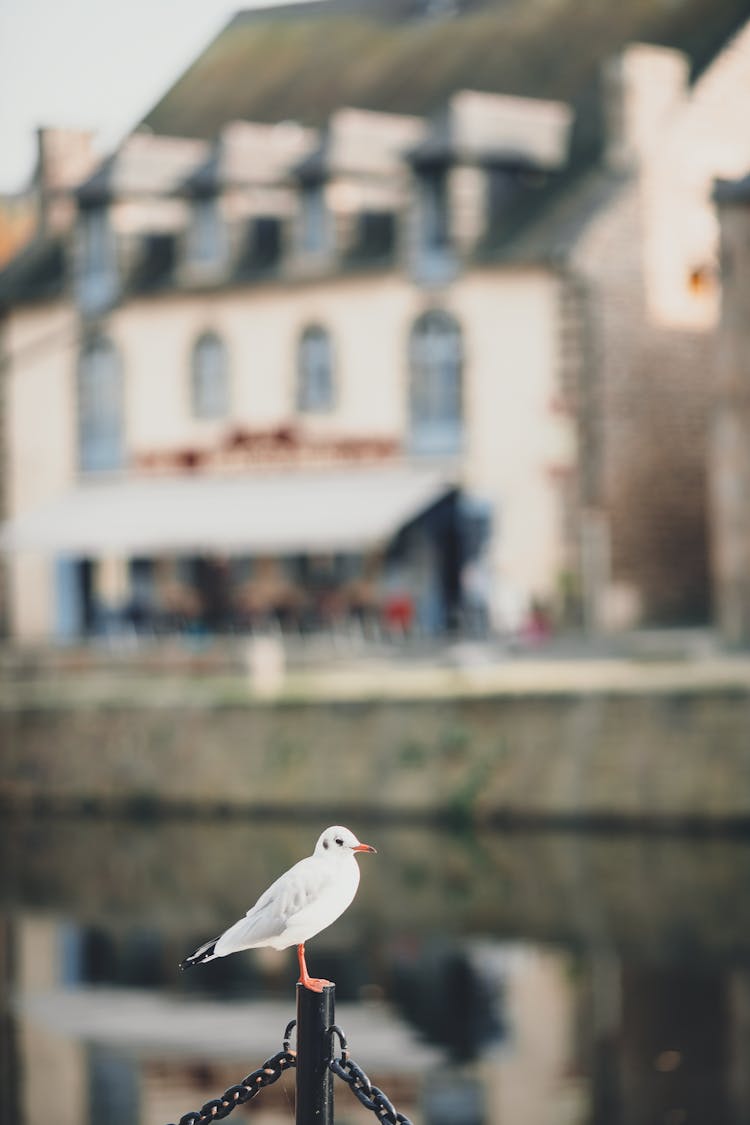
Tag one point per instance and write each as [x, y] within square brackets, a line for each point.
[209, 378]
[315, 371]
[436, 359]
[100, 408]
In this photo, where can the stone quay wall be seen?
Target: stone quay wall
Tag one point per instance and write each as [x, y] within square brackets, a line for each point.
[661, 758]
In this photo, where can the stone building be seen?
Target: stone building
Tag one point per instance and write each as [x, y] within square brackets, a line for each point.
[492, 316]
[630, 233]
[272, 384]
[648, 262]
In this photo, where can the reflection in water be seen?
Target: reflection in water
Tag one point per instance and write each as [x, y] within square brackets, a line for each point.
[494, 979]
[450, 996]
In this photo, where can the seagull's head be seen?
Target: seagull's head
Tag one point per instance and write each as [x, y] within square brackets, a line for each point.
[339, 841]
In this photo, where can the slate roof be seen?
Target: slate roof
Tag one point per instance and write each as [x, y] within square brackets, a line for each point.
[305, 62]
[302, 62]
[543, 227]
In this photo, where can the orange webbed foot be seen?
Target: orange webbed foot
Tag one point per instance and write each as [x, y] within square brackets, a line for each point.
[314, 984]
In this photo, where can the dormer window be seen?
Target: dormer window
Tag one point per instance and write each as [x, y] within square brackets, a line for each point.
[267, 241]
[313, 219]
[261, 251]
[375, 236]
[97, 281]
[206, 232]
[97, 242]
[433, 204]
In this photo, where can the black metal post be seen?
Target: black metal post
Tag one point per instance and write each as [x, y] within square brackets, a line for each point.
[315, 1014]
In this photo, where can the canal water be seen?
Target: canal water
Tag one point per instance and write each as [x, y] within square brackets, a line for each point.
[498, 978]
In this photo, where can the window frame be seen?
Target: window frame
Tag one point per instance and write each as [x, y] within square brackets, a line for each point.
[206, 232]
[203, 398]
[100, 409]
[314, 395]
[314, 218]
[434, 208]
[436, 383]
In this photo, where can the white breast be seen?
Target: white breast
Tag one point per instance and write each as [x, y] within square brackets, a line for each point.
[325, 906]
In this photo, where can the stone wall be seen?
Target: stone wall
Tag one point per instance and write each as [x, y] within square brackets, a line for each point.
[649, 425]
[666, 758]
[648, 259]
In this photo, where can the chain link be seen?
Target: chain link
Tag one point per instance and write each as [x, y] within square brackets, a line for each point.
[368, 1095]
[218, 1108]
[344, 1067]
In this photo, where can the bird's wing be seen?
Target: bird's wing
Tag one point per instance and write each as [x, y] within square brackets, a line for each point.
[276, 907]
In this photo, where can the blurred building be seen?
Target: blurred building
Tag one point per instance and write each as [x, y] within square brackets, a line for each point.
[413, 369]
[730, 449]
[648, 263]
[31, 224]
[279, 379]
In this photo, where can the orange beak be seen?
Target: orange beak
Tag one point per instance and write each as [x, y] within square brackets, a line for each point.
[365, 848]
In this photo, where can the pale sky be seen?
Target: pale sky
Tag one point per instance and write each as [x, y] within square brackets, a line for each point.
[94, 64]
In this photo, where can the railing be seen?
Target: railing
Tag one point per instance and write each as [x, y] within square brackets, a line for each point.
[316, 1067]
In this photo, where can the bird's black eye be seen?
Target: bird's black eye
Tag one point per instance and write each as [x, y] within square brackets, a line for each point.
[339, 841]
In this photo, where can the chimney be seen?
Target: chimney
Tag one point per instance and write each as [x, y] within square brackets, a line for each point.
[65, 157]
[644, 86]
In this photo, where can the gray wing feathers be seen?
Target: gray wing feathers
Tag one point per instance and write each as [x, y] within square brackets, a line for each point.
[270, 916]
[258, 928]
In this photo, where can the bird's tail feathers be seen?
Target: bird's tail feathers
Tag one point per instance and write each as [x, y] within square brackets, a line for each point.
[202, 953]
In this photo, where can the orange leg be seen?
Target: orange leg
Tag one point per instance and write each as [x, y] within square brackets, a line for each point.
[315, 984]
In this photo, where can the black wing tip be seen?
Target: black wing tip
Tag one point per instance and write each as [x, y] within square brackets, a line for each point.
[203, 954]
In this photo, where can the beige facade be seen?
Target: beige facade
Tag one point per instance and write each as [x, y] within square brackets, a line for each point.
[515, 443]
[39, 412]
[117, 353]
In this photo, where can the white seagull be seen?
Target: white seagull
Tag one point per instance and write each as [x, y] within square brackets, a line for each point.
[303, 901]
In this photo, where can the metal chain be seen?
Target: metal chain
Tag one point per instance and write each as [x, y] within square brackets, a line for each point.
[219, 1108]
[370, 1096]
[344, 1067]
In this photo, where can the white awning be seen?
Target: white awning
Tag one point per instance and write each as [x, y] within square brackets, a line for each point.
[292, 512]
